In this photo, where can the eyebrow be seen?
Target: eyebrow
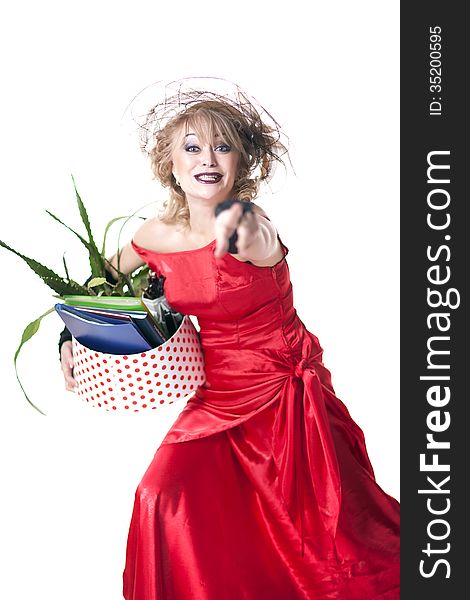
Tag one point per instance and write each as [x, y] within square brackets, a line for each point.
[195, 135]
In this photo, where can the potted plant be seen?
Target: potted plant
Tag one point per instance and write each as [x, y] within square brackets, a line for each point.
[131, 284]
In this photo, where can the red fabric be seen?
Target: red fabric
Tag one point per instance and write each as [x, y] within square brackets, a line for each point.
[262, 488]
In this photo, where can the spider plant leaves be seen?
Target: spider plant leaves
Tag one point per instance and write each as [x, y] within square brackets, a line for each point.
[66, 268]
[62, 287]
[81, 238]
[83, 213]
[131, 284]
[54, 281]
[95, 257]
[108, 227]
[29, 331]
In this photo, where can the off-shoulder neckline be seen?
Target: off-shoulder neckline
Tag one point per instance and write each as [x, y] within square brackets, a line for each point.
[174, 251]
[280, 261]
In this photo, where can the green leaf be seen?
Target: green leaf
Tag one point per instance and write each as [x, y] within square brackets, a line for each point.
[65, 268]
[108, 226]
[96, 281]
[83, 213]
[96, 258]
[139, 280]
[28, 333]
[118, 253]
[54, 281]
[96, 262]
[81, 238]
[62, 287]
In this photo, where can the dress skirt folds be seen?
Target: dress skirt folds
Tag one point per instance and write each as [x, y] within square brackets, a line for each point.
[262, 488]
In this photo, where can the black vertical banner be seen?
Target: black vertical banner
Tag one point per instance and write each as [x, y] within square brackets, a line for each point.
[435, 267]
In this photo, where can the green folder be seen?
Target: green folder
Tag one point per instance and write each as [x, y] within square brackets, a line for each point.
[113, 302]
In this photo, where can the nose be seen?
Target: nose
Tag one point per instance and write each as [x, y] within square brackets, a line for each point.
[208, 158]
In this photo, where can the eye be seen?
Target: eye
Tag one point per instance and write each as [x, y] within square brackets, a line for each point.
[191, 148]
[223, 148]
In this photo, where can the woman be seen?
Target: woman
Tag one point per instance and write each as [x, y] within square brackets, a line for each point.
[262, 488]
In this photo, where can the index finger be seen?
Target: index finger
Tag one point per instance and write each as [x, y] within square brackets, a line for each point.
[225, 225]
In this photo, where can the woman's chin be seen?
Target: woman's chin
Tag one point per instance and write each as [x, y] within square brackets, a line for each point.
[210, 195]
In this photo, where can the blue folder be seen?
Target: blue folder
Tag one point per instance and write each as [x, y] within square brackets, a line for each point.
[144, 321]
[103, 334]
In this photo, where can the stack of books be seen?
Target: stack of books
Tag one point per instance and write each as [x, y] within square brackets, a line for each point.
[113, 324]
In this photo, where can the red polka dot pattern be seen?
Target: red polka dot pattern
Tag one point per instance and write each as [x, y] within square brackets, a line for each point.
[136, 382]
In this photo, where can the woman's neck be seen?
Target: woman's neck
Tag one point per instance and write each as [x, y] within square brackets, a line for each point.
[201, 218]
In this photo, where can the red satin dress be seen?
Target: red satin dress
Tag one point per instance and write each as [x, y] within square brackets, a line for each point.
[262, 488]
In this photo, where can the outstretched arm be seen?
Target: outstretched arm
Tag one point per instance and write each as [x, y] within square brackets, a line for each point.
[257, 236]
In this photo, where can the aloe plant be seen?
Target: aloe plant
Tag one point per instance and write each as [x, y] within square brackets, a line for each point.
[127, 284]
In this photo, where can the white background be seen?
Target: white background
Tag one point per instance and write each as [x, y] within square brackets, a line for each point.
[329, 73]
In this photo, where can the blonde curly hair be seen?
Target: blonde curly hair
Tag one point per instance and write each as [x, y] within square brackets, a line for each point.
[258, 144]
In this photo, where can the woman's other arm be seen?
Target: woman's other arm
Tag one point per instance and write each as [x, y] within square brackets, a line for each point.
[129, 261]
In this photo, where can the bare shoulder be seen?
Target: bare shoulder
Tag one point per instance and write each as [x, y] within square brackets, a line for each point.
[154, 235]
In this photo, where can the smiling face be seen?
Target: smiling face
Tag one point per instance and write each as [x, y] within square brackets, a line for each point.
[204, 164]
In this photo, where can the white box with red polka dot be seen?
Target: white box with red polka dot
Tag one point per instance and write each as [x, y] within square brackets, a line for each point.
[144, 381]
